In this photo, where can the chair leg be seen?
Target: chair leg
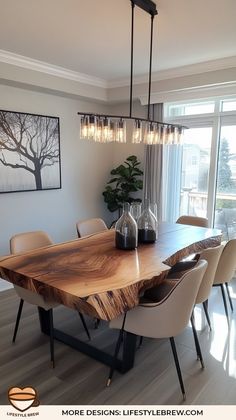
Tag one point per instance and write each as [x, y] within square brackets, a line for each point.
[192, 319]
[118, 343]
[51, 337]
[173, 347]
[224, 300]
[205, 307]
[96, 323]
[197, 345]
[84, 325]
[230, 300]
[140, 341]
[18, 320]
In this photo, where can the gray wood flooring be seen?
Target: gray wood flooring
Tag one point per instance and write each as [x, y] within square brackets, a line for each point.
[77, 379]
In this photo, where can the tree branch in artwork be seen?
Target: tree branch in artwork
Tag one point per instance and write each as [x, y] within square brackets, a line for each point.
[28, 142]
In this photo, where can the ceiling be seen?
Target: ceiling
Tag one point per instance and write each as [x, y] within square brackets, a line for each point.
[93, 36]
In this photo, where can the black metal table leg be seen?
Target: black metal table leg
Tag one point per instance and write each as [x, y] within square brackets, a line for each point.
[129, 350]
[123, 365]
[44, 321]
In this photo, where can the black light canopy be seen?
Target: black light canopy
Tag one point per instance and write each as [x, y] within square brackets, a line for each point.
[147, 5]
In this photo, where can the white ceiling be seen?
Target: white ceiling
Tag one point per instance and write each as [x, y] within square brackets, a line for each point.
[93, 36]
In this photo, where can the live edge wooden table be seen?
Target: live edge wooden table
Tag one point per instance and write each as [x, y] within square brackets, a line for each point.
[91, 276]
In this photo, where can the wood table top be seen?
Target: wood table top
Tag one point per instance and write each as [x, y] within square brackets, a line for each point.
[90, 275]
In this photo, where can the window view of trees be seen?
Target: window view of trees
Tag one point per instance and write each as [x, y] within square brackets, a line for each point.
[225, 216]
[225, 181]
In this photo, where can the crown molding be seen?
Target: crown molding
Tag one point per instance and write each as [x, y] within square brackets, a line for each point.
[188, 70]
[199, 92]
[43, 67]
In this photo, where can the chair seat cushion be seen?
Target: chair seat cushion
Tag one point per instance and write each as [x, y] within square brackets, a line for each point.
[156, 294]
[180, 267]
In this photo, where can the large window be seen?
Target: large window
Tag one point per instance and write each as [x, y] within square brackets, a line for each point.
[195, 171]
[208, 166]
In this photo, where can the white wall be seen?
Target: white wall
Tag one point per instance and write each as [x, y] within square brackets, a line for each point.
[85, 170]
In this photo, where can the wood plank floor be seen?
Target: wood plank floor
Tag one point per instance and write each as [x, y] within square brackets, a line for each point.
[77, 379]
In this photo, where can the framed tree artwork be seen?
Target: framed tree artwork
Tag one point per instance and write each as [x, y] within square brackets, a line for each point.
[29, 152]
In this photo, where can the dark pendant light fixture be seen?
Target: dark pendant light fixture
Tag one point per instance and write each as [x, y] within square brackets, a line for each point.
[112, 128]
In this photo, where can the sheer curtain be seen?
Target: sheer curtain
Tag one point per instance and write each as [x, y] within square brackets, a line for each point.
[153, 160]
[162, 175]
[171, 179]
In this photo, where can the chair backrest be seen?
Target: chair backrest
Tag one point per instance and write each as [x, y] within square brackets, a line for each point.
[212, 256]
[24, 242]
[193, 221]
[27, 241]
[90, 226]
[227, 263]
[170, 316]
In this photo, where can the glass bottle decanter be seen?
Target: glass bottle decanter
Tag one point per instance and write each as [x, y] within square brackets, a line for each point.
[147, 225]
[136, 210]
[126, 230]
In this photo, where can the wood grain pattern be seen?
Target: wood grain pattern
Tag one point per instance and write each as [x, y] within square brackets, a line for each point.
[91, 275]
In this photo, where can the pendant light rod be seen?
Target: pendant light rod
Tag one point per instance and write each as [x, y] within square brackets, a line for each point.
[126, 117]
[150, 68]
[147, 5]
[132, 59]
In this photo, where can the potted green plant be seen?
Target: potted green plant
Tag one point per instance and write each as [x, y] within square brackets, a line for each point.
[126, 179]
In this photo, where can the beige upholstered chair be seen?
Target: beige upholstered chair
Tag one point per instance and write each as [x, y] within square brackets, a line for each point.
[166, 318]
[24, 242]
[212, 256]
[90, 226]
[193, 221]
[28, 241]
[225, 271]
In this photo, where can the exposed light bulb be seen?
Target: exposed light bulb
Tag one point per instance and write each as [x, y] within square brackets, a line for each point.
[150, 132]
[137, 132]
[163, 134]
[170, 134]
[121, 131]
[84, 127]
[98, 133]
[106, 131]
[180, 135]
[92, 127]
[112, 131]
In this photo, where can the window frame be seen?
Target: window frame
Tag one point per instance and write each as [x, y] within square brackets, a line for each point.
[214, 120]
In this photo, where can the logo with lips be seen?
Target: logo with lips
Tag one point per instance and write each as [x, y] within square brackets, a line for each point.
[23, 398]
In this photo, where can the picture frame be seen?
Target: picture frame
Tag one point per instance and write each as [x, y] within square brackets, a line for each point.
[30, 156]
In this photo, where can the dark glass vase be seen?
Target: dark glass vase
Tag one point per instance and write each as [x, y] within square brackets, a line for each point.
[126, 230]
[147, 225]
